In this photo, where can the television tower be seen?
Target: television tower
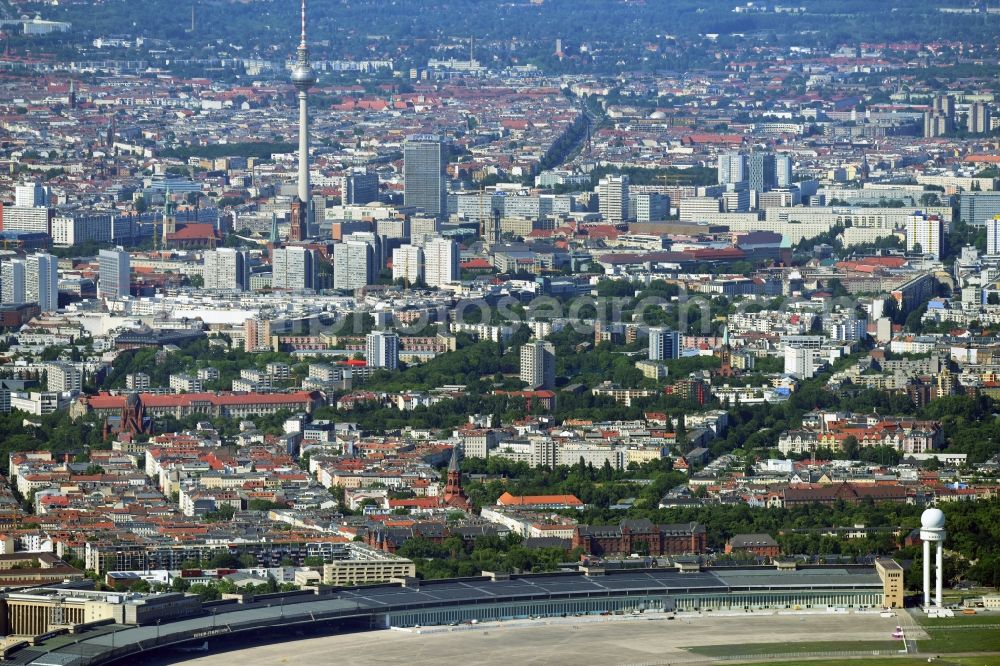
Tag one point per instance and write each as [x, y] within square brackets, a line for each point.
[303, 78]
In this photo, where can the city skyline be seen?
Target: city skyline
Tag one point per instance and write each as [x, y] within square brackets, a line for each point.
[407, 331]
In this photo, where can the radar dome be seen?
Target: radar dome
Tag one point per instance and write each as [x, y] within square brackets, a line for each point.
[932, 519]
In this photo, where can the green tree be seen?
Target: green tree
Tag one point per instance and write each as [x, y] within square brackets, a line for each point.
[851, 447]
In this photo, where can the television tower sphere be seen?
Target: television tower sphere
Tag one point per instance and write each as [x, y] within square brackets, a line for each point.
[932, 519]
[303, 76]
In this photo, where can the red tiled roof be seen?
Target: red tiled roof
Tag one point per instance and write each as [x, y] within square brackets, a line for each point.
[728, 139]
[105, 401]
[989, 159]
[415, 503]
[542, 393]
[193, 231]
[538, 500]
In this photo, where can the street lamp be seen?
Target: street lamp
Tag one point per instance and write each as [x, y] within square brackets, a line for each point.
[215, 612]
[158, 620]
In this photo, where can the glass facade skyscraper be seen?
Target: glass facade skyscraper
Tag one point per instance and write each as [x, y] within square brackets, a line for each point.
[423, 173]
[115, 274]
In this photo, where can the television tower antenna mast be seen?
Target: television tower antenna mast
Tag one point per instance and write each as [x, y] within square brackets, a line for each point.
[303, 78]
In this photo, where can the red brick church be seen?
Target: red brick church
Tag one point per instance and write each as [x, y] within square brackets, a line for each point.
[454, 496]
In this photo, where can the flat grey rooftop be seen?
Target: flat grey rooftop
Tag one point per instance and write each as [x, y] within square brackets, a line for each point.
[378, 599]
[799, 578]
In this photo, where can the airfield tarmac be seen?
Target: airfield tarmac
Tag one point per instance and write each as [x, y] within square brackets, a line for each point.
[617, 640]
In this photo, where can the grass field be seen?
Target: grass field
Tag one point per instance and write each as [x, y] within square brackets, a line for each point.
[892, 661]
[795, 648]
[967, 638]
[963, 633]
[958, 620]
[950, 594]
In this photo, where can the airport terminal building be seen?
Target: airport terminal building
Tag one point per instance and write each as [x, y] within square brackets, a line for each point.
[120, 633]
[610, 591]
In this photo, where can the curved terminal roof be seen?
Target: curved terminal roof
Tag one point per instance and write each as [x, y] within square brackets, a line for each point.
[366, 602]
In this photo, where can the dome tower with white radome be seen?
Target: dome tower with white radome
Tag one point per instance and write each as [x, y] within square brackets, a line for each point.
[932, 519]
[932, 532]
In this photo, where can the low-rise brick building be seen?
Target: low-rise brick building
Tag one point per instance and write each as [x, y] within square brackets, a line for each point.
[762, 545]
[642, 537]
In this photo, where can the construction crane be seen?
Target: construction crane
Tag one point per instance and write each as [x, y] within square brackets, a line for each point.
[678, 178]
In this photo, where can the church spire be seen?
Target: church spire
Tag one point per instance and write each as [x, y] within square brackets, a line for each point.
[453, 494]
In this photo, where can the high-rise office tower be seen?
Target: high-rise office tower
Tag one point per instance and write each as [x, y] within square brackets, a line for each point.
[664, 344]
[736, 200]
[923, 234]
[977, 208]
[393, 228]
[293, 268]
[649, 207]
[423, 228]
[360, 188]
[257, 334]
[63, 377]
[783, 170]
[12, 281]
[761, 172]
[353, 262]
[378, 246]
[936, 124]
[227, 269]
[978, 121]
[408, 264]
[423, 174]
[31, 195]
[940, 119]
[538, 364]
[115, 274]
[612, 197]
[303, 78]
[41, 281]
[34, 219]
[440, 262]
[993, 236]
[732, 168]
[945, 105]
[382, 350]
